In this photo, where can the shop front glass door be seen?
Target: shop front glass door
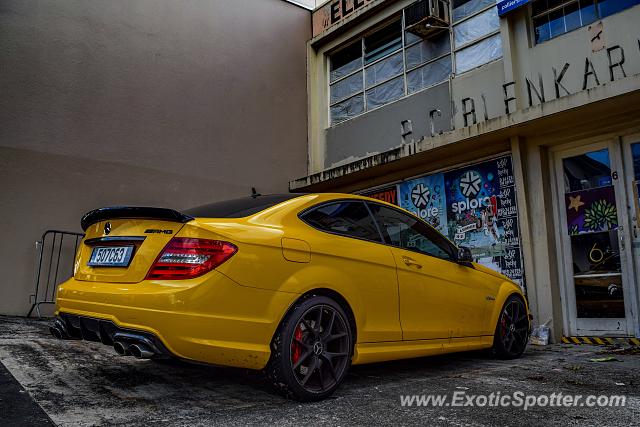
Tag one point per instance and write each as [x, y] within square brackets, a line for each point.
[632, 153]
[634, 183]
[592, 241]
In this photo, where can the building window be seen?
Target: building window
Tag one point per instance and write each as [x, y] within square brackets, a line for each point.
[552, 18]
[390, 62]
[476, 33]
[428, 61]
[384, 66]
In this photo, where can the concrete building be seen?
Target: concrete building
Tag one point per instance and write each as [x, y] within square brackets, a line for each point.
[140, 102]
[511, 127]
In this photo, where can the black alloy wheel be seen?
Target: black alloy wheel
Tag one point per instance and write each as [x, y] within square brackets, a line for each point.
[512, 331]
[311, 352]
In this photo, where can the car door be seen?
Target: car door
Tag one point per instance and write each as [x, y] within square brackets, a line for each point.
[439, 298]
[352, 250]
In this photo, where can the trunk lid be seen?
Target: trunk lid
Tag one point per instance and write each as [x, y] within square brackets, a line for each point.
[144, 233]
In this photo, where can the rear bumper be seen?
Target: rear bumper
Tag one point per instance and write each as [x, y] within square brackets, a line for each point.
[211, 319]
[105, 331]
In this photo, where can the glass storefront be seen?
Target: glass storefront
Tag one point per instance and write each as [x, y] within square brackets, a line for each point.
[635, 155]
[598, 246]
[592, 220]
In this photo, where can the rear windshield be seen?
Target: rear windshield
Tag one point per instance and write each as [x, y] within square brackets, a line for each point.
[238, 208]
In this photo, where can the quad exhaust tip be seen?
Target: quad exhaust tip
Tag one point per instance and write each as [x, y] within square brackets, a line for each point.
[137, 350]
[56, 332]
[123, 349]
[141, 351]
[59, 330]
[125, 342]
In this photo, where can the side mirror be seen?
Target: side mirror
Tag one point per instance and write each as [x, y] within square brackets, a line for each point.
[464, 255]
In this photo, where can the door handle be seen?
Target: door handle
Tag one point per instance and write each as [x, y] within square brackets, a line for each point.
[411, 262]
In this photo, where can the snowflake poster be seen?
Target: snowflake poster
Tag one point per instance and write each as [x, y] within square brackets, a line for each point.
[425, 198]
[482, 214]
[474, 206]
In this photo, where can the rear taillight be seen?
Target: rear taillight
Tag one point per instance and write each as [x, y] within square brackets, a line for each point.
[185, 258]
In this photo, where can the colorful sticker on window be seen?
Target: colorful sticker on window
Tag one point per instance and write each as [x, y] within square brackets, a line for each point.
[590, 211]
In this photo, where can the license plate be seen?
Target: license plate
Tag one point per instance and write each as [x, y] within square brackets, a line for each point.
[110, 256]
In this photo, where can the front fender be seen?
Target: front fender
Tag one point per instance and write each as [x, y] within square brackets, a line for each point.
[506, 290]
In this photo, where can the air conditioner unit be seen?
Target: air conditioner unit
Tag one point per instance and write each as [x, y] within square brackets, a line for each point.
[427, 17]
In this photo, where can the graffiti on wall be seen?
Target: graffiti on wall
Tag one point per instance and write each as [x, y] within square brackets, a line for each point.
[425, 198]
[474, 206]
[482, 214]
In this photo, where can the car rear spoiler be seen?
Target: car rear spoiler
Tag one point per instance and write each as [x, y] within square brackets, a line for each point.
[122, 212]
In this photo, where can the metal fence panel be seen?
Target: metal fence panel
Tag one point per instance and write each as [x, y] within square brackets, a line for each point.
[56, 253]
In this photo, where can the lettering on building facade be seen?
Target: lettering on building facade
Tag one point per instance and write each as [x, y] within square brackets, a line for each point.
[335, 11]
[538, 89]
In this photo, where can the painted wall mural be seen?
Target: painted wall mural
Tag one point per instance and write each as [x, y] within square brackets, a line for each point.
[425, 198]
[474, 206]
[482, 214]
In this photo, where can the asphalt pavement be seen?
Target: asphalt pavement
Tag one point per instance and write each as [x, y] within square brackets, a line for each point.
[75, 383]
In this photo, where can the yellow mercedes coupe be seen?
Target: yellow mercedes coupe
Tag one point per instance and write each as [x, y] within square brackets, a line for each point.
[299, 286]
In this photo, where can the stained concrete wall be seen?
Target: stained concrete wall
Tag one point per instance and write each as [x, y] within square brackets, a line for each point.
[525, 59]
[319, 130]
[142, 102]
[380, 130]
[480, 91]
[620, 34]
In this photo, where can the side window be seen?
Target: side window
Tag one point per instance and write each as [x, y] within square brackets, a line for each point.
[346, 218]
[407, 232]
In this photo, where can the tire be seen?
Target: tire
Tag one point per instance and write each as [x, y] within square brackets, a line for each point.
[308, 362]
[512, 331]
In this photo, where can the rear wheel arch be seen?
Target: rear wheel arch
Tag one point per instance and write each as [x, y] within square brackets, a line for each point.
[329, 293]
[284, 371]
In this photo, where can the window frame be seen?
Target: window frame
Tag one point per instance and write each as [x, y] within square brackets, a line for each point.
[453, 253]
[305, 211]
[551, 10]
[561, 6]
[456, 49]
[363, 68]
[400, 15]
[434, 59]
[383, 241]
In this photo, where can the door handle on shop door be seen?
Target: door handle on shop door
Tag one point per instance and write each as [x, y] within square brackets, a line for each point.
[410, 262]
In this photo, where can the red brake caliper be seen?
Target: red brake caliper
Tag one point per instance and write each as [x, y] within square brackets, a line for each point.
[296, 348]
